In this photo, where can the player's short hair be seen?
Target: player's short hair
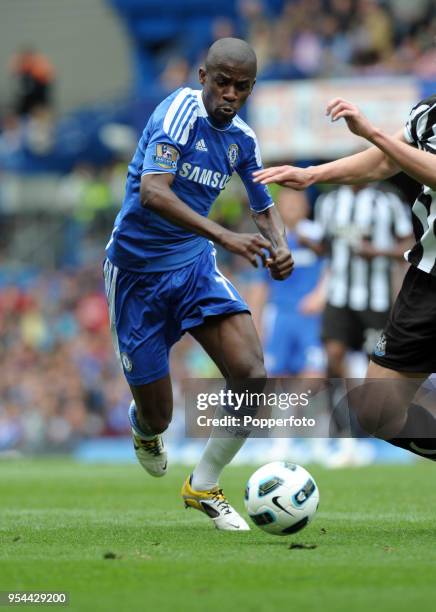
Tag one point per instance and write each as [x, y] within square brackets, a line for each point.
[232, 51]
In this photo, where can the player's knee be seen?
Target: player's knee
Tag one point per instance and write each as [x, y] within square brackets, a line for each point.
[373, 411]
[251, 368]
[258, 371]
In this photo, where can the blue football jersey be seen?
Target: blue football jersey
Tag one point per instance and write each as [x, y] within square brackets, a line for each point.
[180, 138]
[304, 278]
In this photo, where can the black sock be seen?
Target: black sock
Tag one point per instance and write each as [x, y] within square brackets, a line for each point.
[419, 422]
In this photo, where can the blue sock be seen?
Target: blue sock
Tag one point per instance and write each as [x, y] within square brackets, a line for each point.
[133, 418]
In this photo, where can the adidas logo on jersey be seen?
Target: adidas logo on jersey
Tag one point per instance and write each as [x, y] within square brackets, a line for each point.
[201, 145]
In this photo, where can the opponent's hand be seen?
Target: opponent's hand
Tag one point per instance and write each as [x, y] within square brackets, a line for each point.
[366, 250]
[288, 176]
[249, 246]
[356, 120]
[281, 264]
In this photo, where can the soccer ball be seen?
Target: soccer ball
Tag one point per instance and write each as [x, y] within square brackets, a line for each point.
[281, 497]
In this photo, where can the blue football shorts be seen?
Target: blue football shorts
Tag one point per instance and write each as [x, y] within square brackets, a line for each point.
[293, 342]
[149, 312]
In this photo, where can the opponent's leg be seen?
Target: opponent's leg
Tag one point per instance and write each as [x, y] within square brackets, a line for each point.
[150, 414]
[336, 352]
[396, 409]
[232, 342]
[340, 331]
[387, 410]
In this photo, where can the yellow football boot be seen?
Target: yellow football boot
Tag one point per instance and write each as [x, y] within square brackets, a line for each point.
[215, 505]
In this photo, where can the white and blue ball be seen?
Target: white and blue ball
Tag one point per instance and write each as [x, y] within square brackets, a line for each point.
[281, 497]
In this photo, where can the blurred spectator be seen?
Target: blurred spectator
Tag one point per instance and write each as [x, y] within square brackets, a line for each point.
[372, 33]
[175, 74]
[34, 75]
[408, 16]
[57, 363]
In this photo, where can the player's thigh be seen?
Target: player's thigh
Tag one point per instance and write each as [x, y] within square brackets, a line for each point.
[407, 343]
[210, 307]
[232, 342]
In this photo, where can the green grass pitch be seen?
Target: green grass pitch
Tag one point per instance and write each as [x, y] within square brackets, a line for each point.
[375, 537]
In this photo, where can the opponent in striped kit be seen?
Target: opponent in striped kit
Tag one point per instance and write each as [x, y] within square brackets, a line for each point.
[404, 356]
[161, 274]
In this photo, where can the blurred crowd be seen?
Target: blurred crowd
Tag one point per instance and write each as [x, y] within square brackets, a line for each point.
[299, 39]
[60, 381]
[328, 38]
[293, 39]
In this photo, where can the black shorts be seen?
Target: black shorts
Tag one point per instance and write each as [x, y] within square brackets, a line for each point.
[357, 329]
[408, 342]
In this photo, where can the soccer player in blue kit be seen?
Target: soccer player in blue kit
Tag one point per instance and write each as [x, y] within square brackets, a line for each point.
[290, 313]
[161, 274]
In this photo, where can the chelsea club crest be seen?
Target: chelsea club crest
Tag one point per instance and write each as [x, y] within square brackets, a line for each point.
[232, 154]
[127, 362]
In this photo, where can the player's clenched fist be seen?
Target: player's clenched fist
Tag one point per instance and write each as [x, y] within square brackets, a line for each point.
[249, 246]
[281, 264]
[288, 176]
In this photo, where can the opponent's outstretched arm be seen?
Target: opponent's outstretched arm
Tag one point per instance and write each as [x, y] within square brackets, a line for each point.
[365, 167]
[418, 164]
[389, 155]
[157, 195]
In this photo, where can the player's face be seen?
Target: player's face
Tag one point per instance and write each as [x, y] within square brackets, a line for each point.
[225, 90]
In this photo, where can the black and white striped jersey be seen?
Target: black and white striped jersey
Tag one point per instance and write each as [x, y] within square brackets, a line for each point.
[346, 216]
[420, 131]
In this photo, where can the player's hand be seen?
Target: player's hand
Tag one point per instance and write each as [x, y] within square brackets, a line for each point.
[312, 304]
[366, 250]
[288, 176]
[250, 246]
[281, 264]
[356, 120]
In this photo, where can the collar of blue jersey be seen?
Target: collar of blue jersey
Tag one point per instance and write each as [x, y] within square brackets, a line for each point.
[203, 112]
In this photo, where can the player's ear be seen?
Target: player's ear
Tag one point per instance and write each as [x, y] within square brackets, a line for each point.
[252, 85]
[202, 75]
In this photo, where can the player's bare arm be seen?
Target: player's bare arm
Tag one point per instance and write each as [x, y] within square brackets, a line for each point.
[157, 195]
[418, 164]
[365, 167]
[271, 226]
